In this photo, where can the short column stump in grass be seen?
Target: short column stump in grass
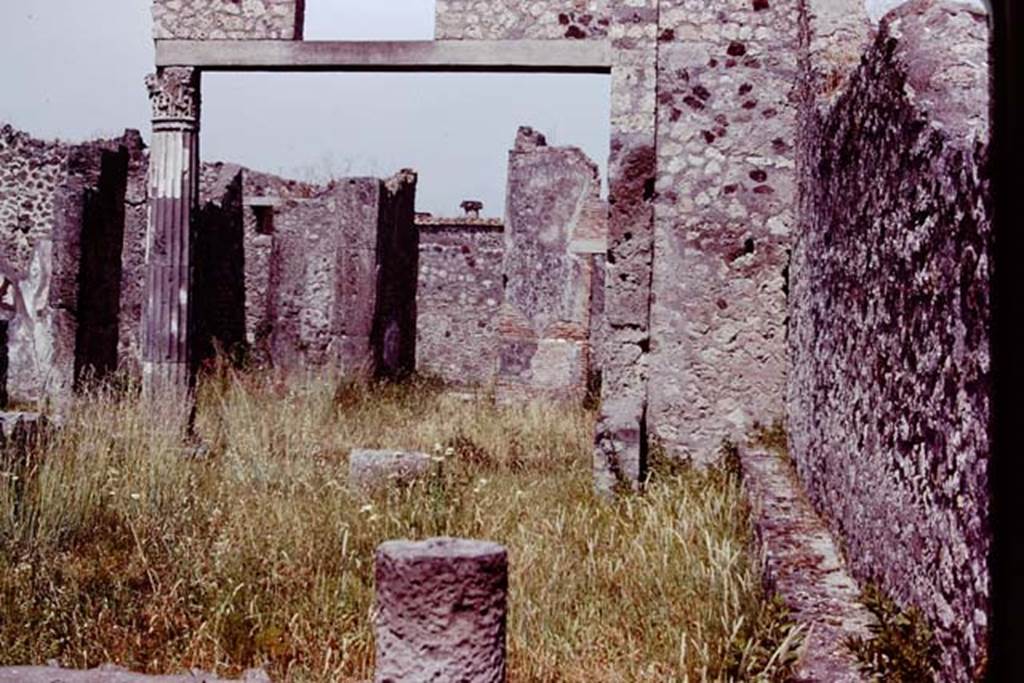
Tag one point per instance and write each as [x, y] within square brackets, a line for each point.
[368, 469]
[441, 611]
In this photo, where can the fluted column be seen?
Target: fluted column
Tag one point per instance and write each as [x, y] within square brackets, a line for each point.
[173, 199]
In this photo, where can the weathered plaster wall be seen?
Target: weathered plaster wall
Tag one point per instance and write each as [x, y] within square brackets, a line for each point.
[517, 20]
[889, 394]
[228, 19]
[544, 323]
[723, 219]
[460, 292]
[63, 209]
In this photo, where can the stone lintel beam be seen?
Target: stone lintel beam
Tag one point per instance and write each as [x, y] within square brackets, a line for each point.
[523, 56]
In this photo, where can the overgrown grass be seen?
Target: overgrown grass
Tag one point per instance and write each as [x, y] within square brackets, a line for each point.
[114, 546]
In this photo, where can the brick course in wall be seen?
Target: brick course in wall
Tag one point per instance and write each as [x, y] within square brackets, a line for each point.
[889, 395]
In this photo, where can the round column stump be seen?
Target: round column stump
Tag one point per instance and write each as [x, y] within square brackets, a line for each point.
[441, 610]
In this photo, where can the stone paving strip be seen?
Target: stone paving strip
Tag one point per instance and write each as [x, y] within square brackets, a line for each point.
[113, 674]
[805, 567]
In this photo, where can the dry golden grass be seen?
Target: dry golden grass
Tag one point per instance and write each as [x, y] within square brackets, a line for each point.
[115, 547]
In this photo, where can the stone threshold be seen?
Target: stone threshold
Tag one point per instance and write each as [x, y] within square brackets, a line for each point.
[804, 566]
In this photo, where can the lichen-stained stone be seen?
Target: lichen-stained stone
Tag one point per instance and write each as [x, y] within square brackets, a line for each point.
[725, 200]
[889, 399]
[459, 294]
[441, 611]
[518, 20]
[368, 469]
[228, 19]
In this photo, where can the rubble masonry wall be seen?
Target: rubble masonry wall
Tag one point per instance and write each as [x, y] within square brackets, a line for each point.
[889, 392]
[459, 295]
[228, 19]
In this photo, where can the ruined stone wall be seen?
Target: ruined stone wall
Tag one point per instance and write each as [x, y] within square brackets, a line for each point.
[460, 292]
[517, 20]
[301, 275]
[264, 196]
[133, 255]
[64, 214]
[228, 19]
[889, 393]
[544, 323]
[30, 172]
[723, 218]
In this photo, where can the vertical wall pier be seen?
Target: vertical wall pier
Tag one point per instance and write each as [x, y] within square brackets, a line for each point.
[173, 192]
[620, 448]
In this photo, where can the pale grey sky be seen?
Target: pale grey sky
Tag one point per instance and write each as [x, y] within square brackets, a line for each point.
[73, 69]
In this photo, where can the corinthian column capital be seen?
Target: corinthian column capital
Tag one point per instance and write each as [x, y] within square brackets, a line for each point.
[174, 92]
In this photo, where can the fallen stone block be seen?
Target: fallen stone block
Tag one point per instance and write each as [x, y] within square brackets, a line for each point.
[441, 610]
[370, 468]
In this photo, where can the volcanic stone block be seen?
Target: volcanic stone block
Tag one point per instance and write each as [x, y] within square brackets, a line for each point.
[370, 468]
[113, 674]
[441, 611]
[228, 19]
